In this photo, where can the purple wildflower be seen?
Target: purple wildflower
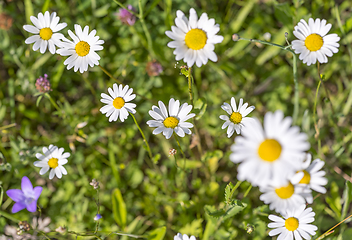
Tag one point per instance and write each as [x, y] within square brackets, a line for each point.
[153, 68]
[126, 17]
[42, 84]
[25, 198]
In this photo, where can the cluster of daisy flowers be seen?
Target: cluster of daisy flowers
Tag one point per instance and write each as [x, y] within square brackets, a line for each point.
[81, 49]
[273, 156]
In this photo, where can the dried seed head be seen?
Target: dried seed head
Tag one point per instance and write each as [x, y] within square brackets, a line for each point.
[172, 152]
[94, 183]
[24, 225]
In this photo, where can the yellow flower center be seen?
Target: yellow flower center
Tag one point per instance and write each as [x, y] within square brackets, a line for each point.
[118, 102]
[45, 33]
[314, 42]
[306, 178]
[236, 117]
[285, 192]
[53, 162]
[291, 223]
[170, 122]
[269, 150]
[82, 48]
[196, 39]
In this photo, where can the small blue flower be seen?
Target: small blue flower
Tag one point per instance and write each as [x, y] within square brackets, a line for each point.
[97, 217]
[25, 198]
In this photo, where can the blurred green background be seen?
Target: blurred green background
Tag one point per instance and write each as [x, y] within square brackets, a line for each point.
[115, 154]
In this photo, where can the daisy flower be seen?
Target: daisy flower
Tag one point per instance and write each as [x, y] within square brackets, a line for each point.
[269, 155]
[179, 236]
[118, 104]
[281, 198]
[194, 39]
[45, 27]
[294, 224]
[82, 49]
[52, 158]
[237, 117]
[176, 122]
[313, 44]
[311, 176]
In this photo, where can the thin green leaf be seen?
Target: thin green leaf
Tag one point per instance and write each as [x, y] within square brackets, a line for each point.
[119, 208]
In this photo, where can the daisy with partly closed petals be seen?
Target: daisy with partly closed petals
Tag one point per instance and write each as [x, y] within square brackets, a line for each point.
[118, 105]
[45, 27]
[82, 50]
[313, 42]
[272, 154]
[237, 117]
[52, 158]
[175, 122]
[311, 175]
[179, 236]
[295, 224]
[194, 39]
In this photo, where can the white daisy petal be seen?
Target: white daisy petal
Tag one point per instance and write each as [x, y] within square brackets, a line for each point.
[53, 159]
[172, 119]
[118, 106]
[311, 177]
[313, 44]
[194, 39]
[291, 226]
[234, 121]
[44, 28]
[82, 47]
[271, 154]
[179, 236]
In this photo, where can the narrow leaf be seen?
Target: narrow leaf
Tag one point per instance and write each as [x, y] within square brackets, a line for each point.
[119, 208]
[157, 234]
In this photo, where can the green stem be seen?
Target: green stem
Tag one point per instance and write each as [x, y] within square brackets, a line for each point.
[128, 235]
[179, 146]
[295, 77]
[247, 191]
[89, 84]
[190, 78]
[143, 136]
[123, 6]
[7, 126]
[190, 85]
[296, 99]
[98, 207]
[315, 118]
[325, 89]
[47, 95]
[330, 230]
[109, 74]
[45, 235]
[235, 188]
[9, 216]
[331, 117]
[84, 234]
[145, 29]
